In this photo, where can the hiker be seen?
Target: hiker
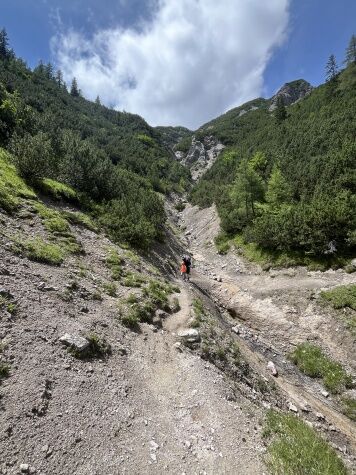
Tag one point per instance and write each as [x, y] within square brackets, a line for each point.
[183, 270]
[188, 263]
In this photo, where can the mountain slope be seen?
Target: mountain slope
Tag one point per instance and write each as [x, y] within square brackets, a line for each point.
[309, 155]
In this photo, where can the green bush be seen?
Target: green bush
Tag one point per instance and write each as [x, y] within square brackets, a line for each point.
[222, 243]
[32, 155]
[297, 449]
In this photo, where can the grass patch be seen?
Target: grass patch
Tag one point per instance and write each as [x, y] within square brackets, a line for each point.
[348, 405]
[57, 190]
[174, 305]
[198, 312]
[12, 187]
[267, 258]
[132, 298]
[222, 243]
[297, 449]
[4, 370]
[157, 292]
[52, 220]
[7, 305]
[114, 262]
[132, 279]
[110, 289]
[96, 295]
[80, 219]
[341, 297]
[311, 360]
[40, 251]
[132, 257]
[156, 295]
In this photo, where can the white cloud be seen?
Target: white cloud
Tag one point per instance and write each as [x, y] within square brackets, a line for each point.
[193, 61]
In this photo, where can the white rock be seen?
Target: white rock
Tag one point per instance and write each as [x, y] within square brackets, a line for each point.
[292, 407]
[271, 367]
[24, 467]
[236, 330]
[191, 335]
[325, 393]
[153, 445]
[75, 341]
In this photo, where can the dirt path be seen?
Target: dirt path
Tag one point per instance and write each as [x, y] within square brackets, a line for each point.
[185, 423]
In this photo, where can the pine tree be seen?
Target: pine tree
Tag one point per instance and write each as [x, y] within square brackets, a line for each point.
[97, 101]
[74, 88]
[59, 78]
[331, 69]
[351, 51]
[40, 68]
[49, 71]
[5, 53]
[278, 189]
[281, 113]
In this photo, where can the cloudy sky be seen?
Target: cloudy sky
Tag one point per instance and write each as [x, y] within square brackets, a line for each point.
[180, 62]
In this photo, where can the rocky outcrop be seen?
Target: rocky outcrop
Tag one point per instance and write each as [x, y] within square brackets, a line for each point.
[291, 92]
[201, 155]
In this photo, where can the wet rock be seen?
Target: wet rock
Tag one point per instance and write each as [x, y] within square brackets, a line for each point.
[272, 369]
[191, 335]
[76, 342]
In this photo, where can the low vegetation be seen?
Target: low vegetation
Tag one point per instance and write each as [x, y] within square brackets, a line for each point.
[4, 370]
[341, 297]
[154, 296]
[311, 360]
[8, 305]
[57, 190]
[40, 251]
[12, 187]
[199, 313]
[348, 405]
[296, 448]
[98, 348]
[222, 243]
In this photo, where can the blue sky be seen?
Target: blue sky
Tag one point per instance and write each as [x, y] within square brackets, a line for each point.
[180, 61]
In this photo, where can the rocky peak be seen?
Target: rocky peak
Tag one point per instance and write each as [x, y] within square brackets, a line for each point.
[201, 155]
[292, 92]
